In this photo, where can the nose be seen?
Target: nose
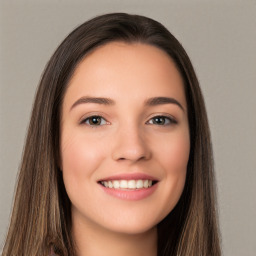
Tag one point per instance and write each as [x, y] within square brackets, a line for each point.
[130, 145]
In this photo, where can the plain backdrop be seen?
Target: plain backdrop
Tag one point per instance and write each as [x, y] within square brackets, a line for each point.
[220, 38]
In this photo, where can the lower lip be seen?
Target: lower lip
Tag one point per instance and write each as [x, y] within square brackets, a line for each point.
[132, 195]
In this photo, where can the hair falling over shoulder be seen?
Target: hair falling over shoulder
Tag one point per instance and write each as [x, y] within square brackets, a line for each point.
[41, 216]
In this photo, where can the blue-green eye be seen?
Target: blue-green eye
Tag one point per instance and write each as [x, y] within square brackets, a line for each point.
[162, 120]
[94, 121]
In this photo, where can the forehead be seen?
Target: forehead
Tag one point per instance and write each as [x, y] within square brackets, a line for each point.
[119, 68]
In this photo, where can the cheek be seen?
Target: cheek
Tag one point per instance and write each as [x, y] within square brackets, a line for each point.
[178, 156]
[174, 153]
[173, 158]
[176, 163]
[80, 158]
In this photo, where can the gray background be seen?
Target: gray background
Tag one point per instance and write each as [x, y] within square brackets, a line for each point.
[219, 36]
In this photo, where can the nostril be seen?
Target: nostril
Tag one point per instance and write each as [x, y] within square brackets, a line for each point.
[130, 149]
[129, 158]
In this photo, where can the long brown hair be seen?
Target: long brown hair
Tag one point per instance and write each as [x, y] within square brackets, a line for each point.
[41, 217]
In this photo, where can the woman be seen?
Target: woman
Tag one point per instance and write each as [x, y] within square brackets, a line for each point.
[118, 156]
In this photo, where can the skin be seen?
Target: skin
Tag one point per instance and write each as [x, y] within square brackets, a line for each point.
[127, 140]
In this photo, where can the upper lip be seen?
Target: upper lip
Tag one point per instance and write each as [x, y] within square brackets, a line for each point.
[129, 176]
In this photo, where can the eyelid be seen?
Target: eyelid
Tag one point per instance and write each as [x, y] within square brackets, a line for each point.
[172, 120]
[83, 120]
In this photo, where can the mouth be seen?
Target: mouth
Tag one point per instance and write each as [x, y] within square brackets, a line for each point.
[128, 184]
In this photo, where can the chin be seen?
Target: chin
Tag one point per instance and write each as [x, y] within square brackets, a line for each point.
[132, 225]
[134, 229]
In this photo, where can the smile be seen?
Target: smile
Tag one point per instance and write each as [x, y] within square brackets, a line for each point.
[128, 184]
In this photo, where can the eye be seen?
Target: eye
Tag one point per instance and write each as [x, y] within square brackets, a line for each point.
[162, 120]
[94, 121]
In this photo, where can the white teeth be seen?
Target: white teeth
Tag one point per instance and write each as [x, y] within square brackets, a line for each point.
[127, 184]
[116, 184]
[123, 184]
[131, 184]
[110, 185]
[139, 184]
[145, 184]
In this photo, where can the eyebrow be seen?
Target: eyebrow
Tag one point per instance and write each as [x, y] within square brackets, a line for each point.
[96, 100]
[109, 102]
[162, 100]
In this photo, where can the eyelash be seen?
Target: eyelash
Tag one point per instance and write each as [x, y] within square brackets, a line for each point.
[170, 120]
[87, 120]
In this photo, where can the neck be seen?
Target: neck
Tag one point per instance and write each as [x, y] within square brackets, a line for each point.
[97, 241]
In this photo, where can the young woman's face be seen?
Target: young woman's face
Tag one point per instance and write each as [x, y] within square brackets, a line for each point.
[124, 138]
